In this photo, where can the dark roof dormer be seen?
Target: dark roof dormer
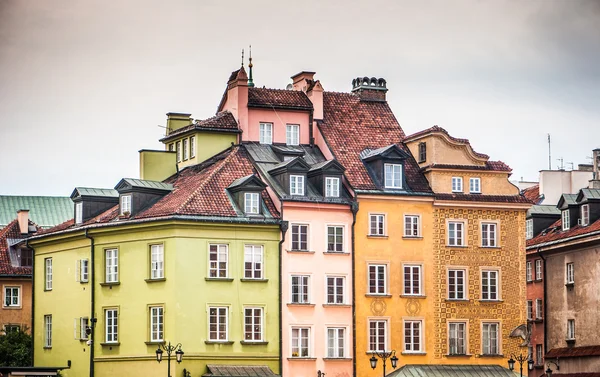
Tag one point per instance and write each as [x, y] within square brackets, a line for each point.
[246, 195]
[386, 166]
[291, 175]
[567, 204]
[588, 200]
[135, 195]
[285, 152]
[541, 217]
[90, 202]
[326, 177]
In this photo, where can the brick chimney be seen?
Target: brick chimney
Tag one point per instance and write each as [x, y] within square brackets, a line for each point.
[304, 81]
[369, 89]
[23, 219]
[595, 182]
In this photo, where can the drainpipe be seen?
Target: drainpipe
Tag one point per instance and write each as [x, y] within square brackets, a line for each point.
[32, 300]
[545, 302]
[284, 227]
[92, 324]
[354, 209]
[311, 138]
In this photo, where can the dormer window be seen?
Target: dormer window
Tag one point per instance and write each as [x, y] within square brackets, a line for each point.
[529, 229]
[332, 187]
[457, 184]
[292, 135]
[178, 150]
[296, 185]
[393, 176]
[266, 133]
[251, 203]
[585, 214]
[78, 213]
[475, 185]
[422, 152]
[125, 204]
[566, 220]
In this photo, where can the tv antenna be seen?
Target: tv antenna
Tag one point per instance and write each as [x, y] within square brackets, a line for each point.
[549, 154]
[561, 166]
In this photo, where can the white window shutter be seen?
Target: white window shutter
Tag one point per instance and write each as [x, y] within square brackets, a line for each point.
[78, 270]
[75, 332]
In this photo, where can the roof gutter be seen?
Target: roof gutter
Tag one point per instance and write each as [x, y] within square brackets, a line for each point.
[93, 300]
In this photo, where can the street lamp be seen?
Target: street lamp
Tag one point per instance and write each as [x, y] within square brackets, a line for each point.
[522, 360]
[549, 372]
[169, 349]
[383, 355]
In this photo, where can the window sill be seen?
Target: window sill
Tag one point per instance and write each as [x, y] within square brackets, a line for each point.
[337, 359]
[539, 366]
[570, 341]
[84, 282]
[569, 285]
[492, 301]
[490, 247]
[115, 344]
[47, 290]
[219, 279]
[458, 246]
[156, 280]
[413, 296]
[250, 343]
[301, 251]
[227, 342]
[110, 284]
[297, 358]
[458, 355]
[245, 280]
[47, 347]
[382, 236]
[335, 253]
[529, 281]
[337, 305]
[538, 280]
[412, 237]
[457, 299]
[154, 342]
[12, 307]
[492, 355]
[408, 353]
[299, 304]
[384, 295]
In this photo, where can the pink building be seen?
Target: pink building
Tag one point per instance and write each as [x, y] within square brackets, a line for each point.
[309, 188]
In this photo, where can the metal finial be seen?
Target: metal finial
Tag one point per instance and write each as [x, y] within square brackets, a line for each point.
[242, 57]
[250, 81]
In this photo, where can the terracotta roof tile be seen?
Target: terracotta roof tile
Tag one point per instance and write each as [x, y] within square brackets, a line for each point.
[442, 130]
[532, 193]
[223, 121]
[278, 98]
[350, 126]
[554, 233]
[574, 352]
[484, 198]
[11, 231]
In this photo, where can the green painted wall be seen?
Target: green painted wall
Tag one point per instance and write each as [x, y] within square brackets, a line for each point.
[185, 295]
[157, 165]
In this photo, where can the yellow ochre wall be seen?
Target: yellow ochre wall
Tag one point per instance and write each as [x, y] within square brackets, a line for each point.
[491, 183]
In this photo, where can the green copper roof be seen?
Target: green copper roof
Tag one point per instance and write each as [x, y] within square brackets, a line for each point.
[452, 371]
[45, 211]
[97, 192]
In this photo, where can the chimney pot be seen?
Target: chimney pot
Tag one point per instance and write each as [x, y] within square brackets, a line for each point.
[23, 220]
[370, 89]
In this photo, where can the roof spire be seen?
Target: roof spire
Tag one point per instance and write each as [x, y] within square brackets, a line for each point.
[250, 81]
[242, 57]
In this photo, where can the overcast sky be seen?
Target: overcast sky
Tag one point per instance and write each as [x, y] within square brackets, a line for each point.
[85, 84]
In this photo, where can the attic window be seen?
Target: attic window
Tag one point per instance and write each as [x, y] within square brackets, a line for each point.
[79, 213]
[125, 204]
[457, 184]
[332, 187]
[566, 220]
[296, 184]
[251, 203]
[585, 214]
[393, 175]
[292, 134]
[529, 228]
[422, 152]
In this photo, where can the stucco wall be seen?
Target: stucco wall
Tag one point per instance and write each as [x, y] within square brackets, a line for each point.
[279, 118]
[491, 183]
[18, 315]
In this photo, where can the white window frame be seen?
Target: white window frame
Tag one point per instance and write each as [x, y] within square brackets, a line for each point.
[252, 203]
[265, 133]
[12, 292]
[380, 326]
[529, 271]
[292, 134]
[566, 219]
[254, 321]
[570, 273]
[48, 331]
[378, 286]
[489, 234]
[216, 336]
[192, 146]
[487, 288]
[111, 325]
[125, 204]
[539, 309]
[411, 269]
[335, 284]
[178, 150]
[48, 274]
[299, 234]
[412, 226]
[298, 334]
[81, 325]
[538, 269]
[529, 229]
[415, 344]
[585, 215]
[570, 329]
[377, 224]
[392, 176]
[185, 149]
[475, 185]
[454, 336]
[157, 261]
[157, 323]
[300, 283]
[221, 253]
[78, 212]
[457, 184]
[488, 345]
[539, 354]
[453, 273]
[297, 185]
[332, 187]
[530, 310]
[111, 263]
[254, 262]
[336, 342]
[333, 247]
[84, 270]
[456, 241]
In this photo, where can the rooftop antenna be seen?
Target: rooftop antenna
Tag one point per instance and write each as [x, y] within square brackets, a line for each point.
[549, 154]
[242, 57]
[572, 165]
[562, 164]
[250, 81]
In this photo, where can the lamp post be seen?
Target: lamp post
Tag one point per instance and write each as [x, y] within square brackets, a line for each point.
[522, 360]
[384, 355]
[169, 349]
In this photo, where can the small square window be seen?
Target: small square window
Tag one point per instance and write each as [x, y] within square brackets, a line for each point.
[251, 203]
[393, 176]
[12, 296]
[125, 204]
[332, 187]
[457, 184]
[475, 185]
[296, 185]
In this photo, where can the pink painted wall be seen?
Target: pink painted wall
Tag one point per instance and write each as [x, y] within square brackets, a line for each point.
[320, 142]
[318, 266]
[279, 118]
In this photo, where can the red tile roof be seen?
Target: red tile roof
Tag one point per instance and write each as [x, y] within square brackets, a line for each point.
[11, 231]
[532, 193]
[223, 121]
[489, 165]
[350, 126]
[442, 130]
[554, 233]
[278, 98]
[574, 352]
[484, 198]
